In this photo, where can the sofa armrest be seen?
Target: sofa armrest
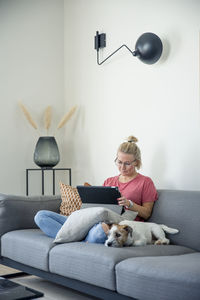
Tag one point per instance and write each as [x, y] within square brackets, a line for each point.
[17, 212]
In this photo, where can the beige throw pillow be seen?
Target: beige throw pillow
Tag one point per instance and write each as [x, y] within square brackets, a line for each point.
[71, 200]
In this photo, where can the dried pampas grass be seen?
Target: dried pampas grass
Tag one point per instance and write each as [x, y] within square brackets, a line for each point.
[27, 115]
[47, 117]
[66, 117]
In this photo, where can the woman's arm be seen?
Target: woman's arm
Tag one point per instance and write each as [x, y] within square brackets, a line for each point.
[143, 210]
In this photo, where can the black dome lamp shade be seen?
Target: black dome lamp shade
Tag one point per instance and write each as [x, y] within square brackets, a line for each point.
[148, 47]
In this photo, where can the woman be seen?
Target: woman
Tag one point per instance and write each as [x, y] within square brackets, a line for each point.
[138, 194]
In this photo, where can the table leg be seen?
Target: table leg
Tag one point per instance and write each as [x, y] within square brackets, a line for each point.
[26, 182]
[53, 182]
[70, 177]
[42, 182]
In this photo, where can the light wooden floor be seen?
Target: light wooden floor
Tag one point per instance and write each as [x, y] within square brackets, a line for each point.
[51, 291]
[5, 270]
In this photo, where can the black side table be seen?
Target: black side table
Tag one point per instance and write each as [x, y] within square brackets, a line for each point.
[53, 173]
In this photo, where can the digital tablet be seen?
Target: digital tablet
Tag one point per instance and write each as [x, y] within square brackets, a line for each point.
[99, 194]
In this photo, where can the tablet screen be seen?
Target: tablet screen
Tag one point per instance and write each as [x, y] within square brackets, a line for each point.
[99, 194]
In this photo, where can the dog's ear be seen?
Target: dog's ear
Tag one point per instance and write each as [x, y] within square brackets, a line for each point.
[128, 229]
[109, 224]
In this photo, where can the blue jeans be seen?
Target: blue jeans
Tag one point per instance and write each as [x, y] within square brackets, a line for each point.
[50, 223]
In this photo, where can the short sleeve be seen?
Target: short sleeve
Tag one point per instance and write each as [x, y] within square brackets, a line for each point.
[111, 181]
[149, 193]
[105, 182]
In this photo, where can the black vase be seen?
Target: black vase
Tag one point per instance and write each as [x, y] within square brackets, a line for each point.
[46, 154]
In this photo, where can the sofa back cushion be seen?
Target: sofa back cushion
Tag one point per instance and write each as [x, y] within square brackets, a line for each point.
[181, 210]
[17, 212]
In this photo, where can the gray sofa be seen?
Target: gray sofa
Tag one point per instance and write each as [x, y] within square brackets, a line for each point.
[169, 272]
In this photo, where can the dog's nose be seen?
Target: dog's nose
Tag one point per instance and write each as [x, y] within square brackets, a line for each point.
[109, 244]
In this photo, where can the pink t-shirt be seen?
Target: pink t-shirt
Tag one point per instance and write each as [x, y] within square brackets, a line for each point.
[141, 189]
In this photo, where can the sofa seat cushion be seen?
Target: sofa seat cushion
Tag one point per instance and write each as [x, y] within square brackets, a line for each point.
[95, 263]
[167, 277]
[30, 247]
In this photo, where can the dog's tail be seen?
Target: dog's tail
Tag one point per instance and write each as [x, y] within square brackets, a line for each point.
[169, 229]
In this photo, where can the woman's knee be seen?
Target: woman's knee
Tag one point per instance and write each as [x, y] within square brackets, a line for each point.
[96, 234]
[41, 214]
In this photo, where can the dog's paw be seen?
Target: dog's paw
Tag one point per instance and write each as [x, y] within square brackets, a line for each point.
[162, 242]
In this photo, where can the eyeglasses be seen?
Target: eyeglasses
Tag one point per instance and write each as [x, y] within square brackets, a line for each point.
[127, 164]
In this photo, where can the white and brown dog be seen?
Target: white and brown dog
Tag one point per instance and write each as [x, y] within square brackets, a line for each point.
[134, 233]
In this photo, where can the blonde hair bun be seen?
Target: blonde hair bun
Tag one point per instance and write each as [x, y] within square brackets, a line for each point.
[130, 147]
[132, 138]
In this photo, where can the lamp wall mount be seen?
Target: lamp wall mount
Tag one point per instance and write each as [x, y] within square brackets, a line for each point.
[148, 47]
[99, 41]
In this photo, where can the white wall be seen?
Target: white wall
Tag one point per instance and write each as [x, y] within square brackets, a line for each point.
[31, 69]
[47, 57]
[159, 104]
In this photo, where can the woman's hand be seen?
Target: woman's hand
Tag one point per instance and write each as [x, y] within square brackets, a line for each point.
[144, 210]
[122, 201]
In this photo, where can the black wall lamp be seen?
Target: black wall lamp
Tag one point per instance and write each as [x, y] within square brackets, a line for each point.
[148, 47]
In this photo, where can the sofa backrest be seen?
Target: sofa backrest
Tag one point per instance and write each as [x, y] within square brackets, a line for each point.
[181, 210]
[17, 212]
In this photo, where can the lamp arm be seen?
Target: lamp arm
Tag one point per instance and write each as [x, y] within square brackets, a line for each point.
[100, 63]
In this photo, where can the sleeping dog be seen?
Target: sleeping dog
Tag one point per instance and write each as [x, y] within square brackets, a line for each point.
[134, 233]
